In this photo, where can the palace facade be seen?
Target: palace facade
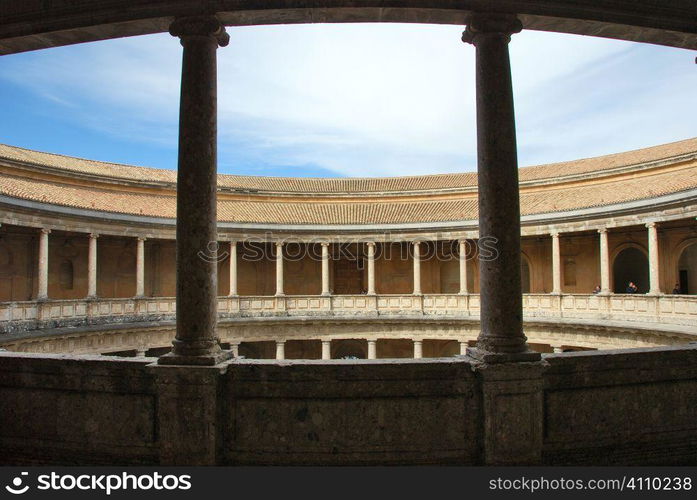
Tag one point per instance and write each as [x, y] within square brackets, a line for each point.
[84, 242]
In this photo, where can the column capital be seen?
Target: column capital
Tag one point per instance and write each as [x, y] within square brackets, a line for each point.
[484, 23]
[45, 230]
[233, 243]
[462, 241]
[325, 244]
[279, 243]
[200, 26]
[650, 224]
[554, 234]
[602, 230]
[94, 236]
[370, 243]
[141, 238]
[416, 243]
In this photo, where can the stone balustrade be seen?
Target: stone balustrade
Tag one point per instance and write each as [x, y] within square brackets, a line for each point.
[664, 309]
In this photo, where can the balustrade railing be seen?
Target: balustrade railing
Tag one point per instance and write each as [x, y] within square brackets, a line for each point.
[668, 309]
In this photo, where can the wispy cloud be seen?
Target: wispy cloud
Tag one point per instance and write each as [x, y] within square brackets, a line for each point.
[370, 99]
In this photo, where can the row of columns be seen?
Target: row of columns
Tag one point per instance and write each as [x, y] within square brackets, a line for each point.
[42, 293]
[654, 268]
[372, 349]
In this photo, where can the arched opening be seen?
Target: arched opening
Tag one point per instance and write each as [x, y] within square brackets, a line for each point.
[525, 274]
[631, 264]
[687, 270]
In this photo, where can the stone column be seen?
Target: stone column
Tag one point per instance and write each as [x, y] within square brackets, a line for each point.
[42, 293]
[604, 262]
[501, 337]
[233, 269]
[463, 267]
[654, 266]
[418, 349]
[197, 279]
[556, 264]
[235, 348]
[371, 268]
[463, 348]
[140, 267]
[279, 268]
[372, 349]
[92, 266]
[326, 349]
[280, 349]
[325, 268]
[417, 268]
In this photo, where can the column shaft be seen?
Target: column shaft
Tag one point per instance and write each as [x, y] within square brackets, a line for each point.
[654, 266]
[418, 349]
[280, 349]
[604, 262]
[501, 337]
[556, 264]
[372, 349]
[463, 267]
[326, 349]
[371, 268]
[92, 266]
[197, 280]
[42, 292]
[325, 268]
[140, 268]
[417, 268]
[279, 268]
[233, 268]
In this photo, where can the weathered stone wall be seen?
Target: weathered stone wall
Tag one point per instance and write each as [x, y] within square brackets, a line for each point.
[599, 408]
[79, 410]
[624, 407]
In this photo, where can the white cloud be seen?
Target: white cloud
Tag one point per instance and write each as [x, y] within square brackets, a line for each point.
[373, 99]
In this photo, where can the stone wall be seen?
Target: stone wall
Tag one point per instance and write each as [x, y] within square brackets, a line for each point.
[599, 408]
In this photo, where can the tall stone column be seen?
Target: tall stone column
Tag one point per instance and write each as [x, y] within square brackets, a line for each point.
[418, 349]
[372, 349]
[279, 268]
[140, 267]
[556, 264]
[196, 341]
[417, 268]
[325, 268]
[371, 268]
[654, 266]
[501, 337]
[92, 266]
[463, 267]
[326, 349]
[42, 293]
[280, 349]
[233, 269]
[604, 262]
[512, 391]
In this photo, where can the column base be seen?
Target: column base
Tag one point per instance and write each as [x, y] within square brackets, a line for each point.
[503, 357]
[185, 360]
[513, 411]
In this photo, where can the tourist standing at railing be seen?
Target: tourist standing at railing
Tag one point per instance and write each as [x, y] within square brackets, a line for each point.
[676, 290]
[597, 289]
[631, 288]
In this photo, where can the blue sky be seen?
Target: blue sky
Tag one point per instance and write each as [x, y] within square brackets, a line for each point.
[347, 100]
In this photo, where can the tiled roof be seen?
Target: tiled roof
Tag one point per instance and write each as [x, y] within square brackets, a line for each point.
[378, 210]
[348, 185]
